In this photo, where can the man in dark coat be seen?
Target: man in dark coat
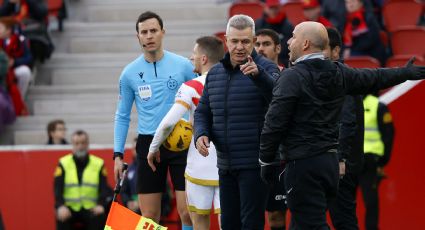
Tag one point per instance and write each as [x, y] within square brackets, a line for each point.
[303, 117]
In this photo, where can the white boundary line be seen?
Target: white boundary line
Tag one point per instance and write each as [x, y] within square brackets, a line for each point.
[397, 91]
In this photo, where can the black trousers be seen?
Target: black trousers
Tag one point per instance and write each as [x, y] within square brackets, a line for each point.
[242, 199]
[343, 209]
[311, 184]
[369, 181]
[84, 219]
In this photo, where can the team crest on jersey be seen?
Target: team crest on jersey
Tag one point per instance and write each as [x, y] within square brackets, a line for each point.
[172, 84]
[145, 92]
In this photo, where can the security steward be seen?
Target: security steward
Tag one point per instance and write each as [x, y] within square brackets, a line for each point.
[80, 187]
[378, 143]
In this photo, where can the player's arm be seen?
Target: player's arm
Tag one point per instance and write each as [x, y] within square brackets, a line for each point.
[122, 122]
[179, 108]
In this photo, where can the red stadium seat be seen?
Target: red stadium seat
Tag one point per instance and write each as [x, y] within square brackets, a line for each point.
[409, 40]
[401, 60]
[252, 9]
[362, 62]
[397, 14]
[54, 7]
[384, 38]
[222, 36]
[294, 11]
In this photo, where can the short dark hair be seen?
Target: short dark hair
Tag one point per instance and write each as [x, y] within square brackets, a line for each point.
[8, 21]
[51, 126]
[271, 33]
[148, 15]
[212, 47]
[334, 38]
[80, 132]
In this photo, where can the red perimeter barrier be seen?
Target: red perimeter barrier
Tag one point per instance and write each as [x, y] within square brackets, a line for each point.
[26, 194]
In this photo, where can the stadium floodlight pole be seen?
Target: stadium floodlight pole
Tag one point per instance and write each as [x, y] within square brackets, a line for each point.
[118, 186]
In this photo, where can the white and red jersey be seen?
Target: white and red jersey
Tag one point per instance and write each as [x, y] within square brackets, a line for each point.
[199, 169]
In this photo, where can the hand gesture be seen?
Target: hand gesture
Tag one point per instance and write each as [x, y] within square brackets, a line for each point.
[418, 72]
[249, 68]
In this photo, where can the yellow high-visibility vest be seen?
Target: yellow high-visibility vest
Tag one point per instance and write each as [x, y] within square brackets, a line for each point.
[84, 195]
[372, 137]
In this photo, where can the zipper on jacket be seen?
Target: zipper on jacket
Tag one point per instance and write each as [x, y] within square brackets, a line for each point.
[226, 92]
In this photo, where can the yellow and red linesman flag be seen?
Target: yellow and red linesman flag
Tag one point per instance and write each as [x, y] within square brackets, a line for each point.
[121, 218]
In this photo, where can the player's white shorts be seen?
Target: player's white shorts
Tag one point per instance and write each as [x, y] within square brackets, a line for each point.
[200, 198]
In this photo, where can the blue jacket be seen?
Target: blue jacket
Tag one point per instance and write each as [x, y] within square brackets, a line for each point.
[232, 109]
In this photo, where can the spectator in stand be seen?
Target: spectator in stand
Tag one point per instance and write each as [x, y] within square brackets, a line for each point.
[7, 113]
[312, 11]
[31, 16]
[275, 18]
[335, 11]
[56, 132]
[24, 9]
[361, 32]
[17, 48]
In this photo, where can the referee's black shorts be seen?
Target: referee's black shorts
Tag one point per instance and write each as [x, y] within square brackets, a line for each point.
[149, 181]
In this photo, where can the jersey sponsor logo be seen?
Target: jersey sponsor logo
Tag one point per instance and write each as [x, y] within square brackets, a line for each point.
[172, 84]
[145, 92]
[280, 197]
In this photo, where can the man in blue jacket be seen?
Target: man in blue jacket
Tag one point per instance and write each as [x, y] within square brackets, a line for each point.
[231, 115]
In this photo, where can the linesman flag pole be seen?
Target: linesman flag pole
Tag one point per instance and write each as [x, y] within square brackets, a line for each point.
[122, 218]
